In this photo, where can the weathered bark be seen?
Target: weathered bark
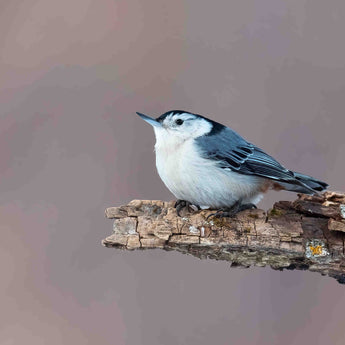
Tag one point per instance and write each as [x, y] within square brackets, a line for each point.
[306, 234]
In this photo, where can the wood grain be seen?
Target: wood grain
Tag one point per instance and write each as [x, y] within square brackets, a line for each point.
[306, 234]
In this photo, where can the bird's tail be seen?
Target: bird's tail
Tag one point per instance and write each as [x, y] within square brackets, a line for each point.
[305, 184]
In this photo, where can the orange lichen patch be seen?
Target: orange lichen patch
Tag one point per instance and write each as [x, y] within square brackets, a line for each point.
[317, 250]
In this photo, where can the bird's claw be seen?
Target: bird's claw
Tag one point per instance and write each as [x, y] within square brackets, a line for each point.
[232, 211]
[181, 204]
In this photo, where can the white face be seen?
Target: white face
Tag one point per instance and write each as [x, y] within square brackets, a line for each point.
[181, 127]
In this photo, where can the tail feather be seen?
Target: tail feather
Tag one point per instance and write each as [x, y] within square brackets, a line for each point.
[305, 184]
[311, 182]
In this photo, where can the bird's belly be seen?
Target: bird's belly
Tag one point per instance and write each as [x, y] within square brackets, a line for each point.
[200, 181]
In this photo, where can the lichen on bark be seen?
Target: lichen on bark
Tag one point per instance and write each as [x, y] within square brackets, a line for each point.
[307, 234]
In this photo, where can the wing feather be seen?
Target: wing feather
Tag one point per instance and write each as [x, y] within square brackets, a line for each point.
[235, 153]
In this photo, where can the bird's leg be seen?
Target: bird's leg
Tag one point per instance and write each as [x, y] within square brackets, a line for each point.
[181, 204]
[232, 211]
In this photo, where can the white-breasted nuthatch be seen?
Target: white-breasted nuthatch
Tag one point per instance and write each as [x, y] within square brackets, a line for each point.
[207, 164]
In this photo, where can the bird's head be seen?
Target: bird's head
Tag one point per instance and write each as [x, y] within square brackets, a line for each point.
[177, 126]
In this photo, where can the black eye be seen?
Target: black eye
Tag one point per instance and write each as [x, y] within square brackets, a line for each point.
[179, 122]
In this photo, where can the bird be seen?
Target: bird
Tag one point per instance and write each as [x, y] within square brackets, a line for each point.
[207, 165]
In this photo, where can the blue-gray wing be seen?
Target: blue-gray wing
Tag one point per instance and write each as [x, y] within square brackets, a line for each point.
[235, 153]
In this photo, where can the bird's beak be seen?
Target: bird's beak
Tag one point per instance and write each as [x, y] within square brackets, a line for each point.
[150, 120]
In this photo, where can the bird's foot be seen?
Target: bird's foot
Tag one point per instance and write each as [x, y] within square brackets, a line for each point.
[232, 211]
[181, 204]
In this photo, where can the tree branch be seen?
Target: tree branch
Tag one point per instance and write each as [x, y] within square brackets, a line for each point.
[306, 234]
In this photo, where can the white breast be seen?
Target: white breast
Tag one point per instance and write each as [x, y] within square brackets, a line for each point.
[200, 181]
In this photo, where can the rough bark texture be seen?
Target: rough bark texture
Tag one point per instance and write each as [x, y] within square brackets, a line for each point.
[306, 234]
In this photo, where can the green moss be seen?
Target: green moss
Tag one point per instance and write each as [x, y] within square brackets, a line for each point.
[274, 212]
[253, 215]
[219, 222]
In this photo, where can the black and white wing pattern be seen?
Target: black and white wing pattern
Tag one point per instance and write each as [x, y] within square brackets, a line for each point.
[235, 153]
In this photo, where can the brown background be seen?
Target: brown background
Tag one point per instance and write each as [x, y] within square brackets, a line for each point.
[73, 73]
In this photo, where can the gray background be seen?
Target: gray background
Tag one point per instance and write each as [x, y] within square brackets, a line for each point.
[73, 73]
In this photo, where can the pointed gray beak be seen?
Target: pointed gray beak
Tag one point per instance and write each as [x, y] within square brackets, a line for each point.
[150, 120]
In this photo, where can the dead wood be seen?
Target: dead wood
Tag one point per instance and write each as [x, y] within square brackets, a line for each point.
[306, 234]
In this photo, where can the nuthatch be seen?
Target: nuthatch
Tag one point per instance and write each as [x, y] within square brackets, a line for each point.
[207, 164]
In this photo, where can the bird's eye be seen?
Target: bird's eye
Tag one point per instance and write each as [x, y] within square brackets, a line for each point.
[179, 122]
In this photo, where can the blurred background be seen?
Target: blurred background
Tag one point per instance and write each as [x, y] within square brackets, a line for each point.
[73, 74]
